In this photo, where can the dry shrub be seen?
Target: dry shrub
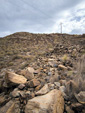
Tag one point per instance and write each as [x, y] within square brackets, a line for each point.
[71, 88]
[78, 83]
[80, 77]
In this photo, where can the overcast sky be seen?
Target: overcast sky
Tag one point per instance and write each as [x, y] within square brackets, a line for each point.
[42, 16]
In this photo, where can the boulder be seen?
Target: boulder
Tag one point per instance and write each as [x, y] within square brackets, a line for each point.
[62, 89]
[10, 107]
[83, 111]
[52, 102]
[28, 73]
[69, 110]
[14, 78]
[51, 86]
[28, 93]
[2, 100]
[16, 93]
[31, 70]
[81, 97]
[21, 86]
[38, 87]
[57, 84]
[34, 83]
[32, 95]
[43, 90]
[62, 82]
[78, 107]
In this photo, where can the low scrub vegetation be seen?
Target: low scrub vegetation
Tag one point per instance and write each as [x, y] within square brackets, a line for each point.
[80, 77]
[78, 83]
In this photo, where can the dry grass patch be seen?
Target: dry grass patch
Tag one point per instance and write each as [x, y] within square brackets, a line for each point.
[78, 83]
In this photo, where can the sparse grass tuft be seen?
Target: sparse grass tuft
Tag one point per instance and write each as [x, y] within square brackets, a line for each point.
[65, 57]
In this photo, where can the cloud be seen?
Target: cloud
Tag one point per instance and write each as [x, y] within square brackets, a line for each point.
[42, 16]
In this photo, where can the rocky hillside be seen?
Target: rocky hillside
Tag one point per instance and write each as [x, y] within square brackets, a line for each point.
[42, 73]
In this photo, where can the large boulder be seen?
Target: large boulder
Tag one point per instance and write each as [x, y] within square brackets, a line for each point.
[14, 78]
[52, 102]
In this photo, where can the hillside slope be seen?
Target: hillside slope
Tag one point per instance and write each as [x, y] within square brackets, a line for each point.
[18, 46]
[36, 66]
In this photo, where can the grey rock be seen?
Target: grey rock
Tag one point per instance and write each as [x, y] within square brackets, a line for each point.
[49, 73]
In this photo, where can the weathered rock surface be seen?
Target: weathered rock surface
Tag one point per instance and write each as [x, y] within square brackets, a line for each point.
[16, 93]
[81, 97]
[10, 107]
[43, 90]
[52, 102]
[21, 86]
[31, 70]
[62, 89]
[3, 100]
[69, 110]
[15, 79]
[34, 83]
[28, 73]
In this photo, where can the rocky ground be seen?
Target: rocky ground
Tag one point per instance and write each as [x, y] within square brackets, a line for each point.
[42, 73]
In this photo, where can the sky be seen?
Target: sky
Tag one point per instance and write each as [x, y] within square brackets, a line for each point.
[42, 16]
